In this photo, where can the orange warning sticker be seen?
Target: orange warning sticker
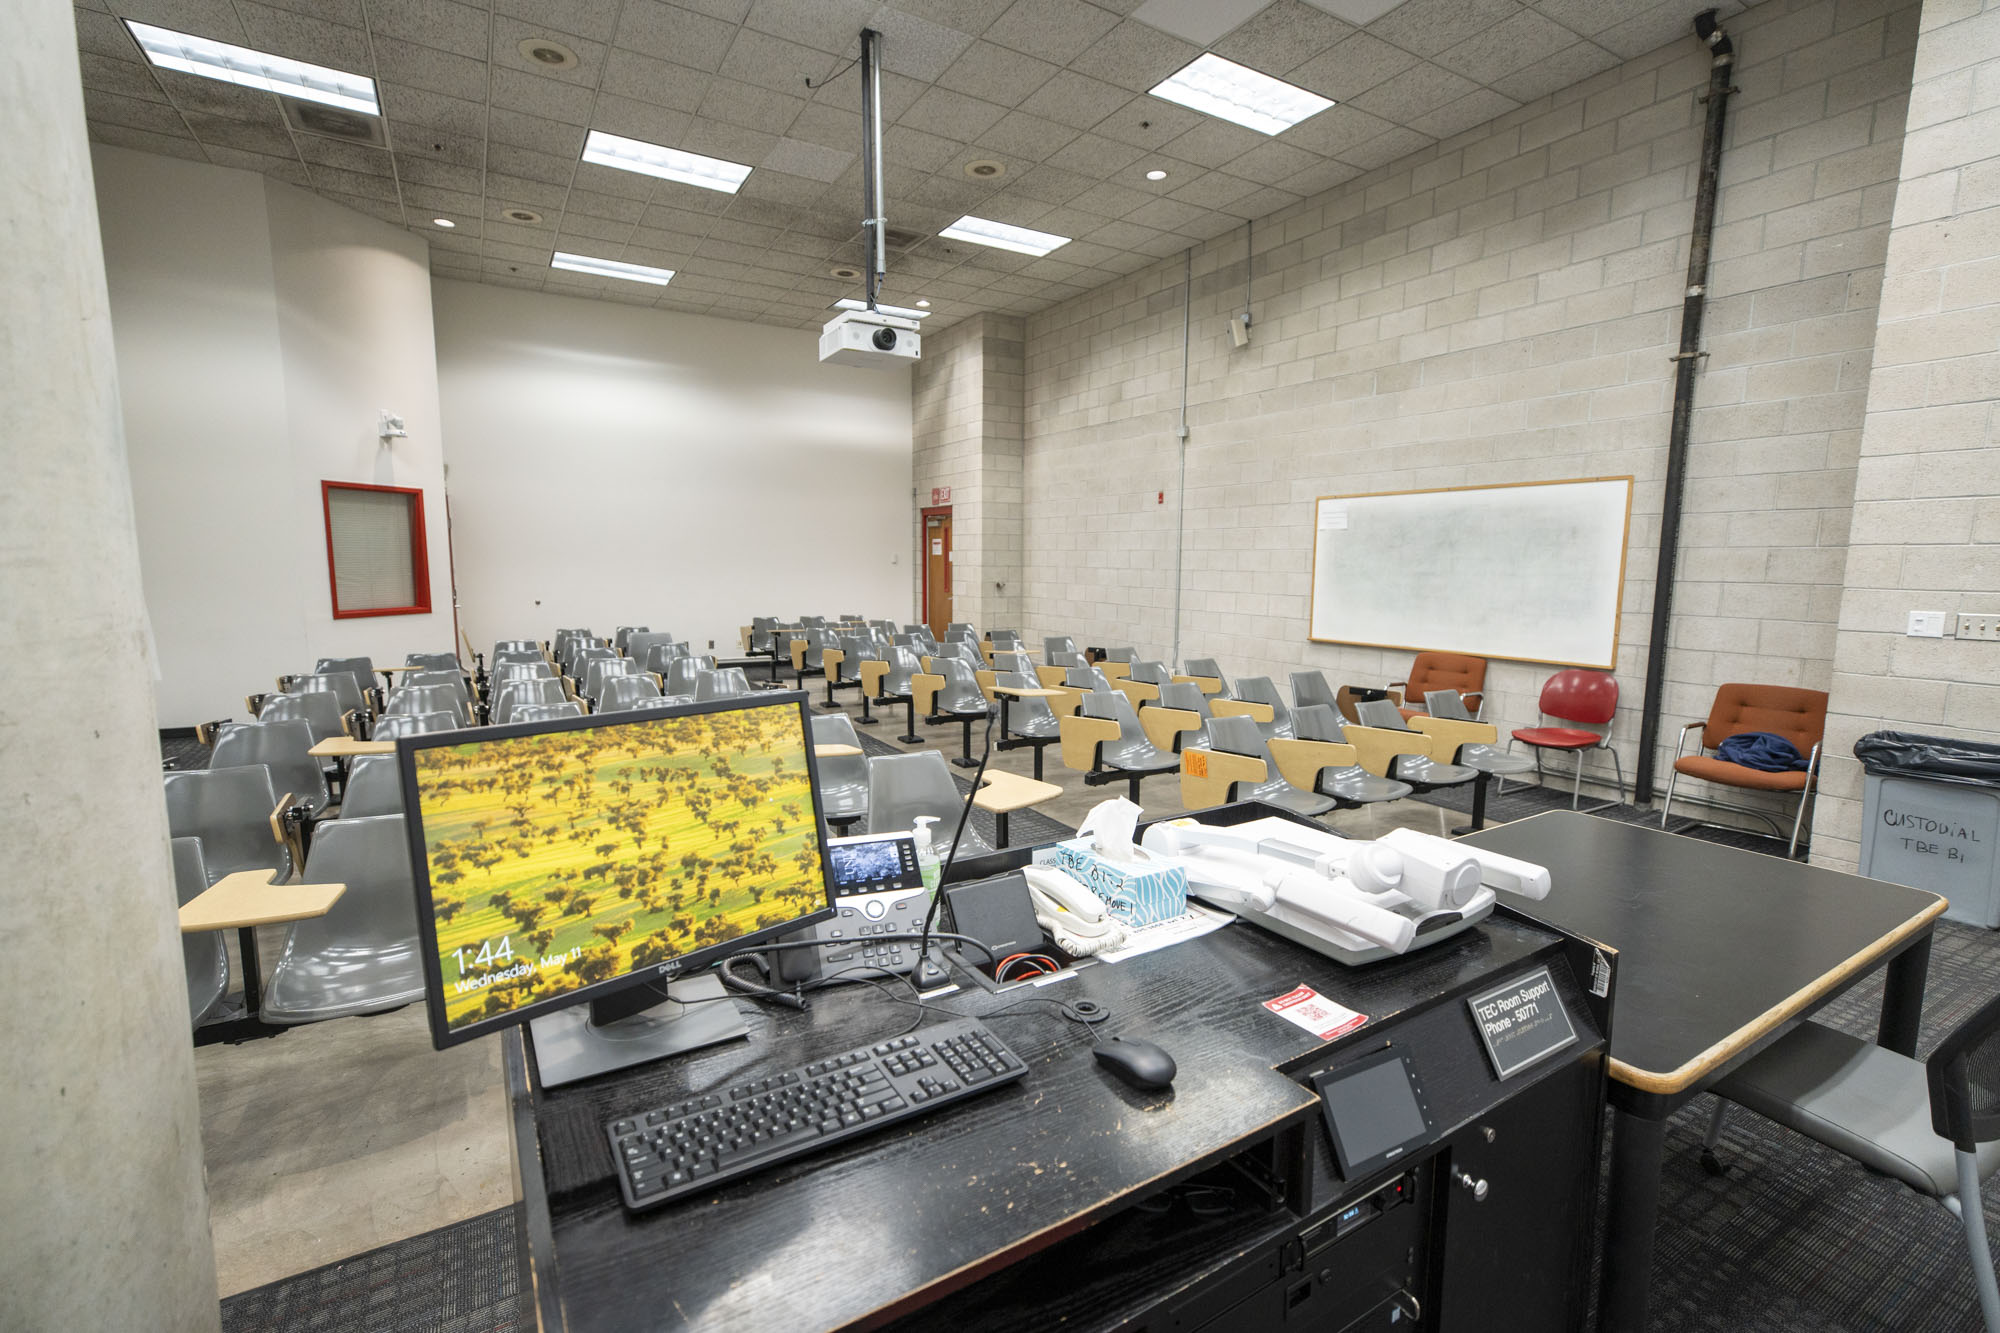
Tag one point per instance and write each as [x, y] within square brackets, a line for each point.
[1194, 763]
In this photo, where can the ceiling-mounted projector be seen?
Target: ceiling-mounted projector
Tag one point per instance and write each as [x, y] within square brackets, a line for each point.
[869, 338]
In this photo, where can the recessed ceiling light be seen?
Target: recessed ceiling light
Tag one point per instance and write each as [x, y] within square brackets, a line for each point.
[651, 159]
[925, 304]
[985, 169]
[525, 215]
[1001, 236]
[844, 271]
[1219, 87]
[1156, 175]
[900, 311]
[255, 69]
[446, 223]
[542, 51]
[612, 268]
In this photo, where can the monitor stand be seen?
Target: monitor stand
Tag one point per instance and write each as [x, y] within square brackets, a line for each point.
[585, 1041]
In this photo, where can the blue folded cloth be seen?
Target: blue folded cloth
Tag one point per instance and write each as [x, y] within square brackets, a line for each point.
[1764, 751]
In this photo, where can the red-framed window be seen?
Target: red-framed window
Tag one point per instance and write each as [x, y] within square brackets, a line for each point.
[376, 558]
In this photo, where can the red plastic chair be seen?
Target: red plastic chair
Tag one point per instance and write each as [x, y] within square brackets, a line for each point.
[1577, 696]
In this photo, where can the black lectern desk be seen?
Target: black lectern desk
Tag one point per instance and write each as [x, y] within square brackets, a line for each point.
[1721, 952]
[1071, 1197]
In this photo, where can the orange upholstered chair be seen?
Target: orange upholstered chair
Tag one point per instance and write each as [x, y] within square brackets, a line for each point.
[1783, 710]
[1442, 671]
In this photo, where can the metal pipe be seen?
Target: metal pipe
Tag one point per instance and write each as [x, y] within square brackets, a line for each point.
[874, 221]
[1180, 487]
[1723, 66]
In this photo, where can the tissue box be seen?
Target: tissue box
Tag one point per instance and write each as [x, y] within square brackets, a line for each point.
[1138, 892]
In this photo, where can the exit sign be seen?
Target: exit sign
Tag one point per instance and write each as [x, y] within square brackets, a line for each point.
[940, 495]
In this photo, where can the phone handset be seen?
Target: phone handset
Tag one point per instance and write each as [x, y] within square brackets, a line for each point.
[1074, 917]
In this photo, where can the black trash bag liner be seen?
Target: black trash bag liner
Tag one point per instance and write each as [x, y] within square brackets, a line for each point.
[1935, 758]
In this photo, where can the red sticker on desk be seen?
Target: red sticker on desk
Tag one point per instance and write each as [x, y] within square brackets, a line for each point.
[1315, 1013]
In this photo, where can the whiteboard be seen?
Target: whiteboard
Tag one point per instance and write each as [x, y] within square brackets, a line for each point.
[1532, 572]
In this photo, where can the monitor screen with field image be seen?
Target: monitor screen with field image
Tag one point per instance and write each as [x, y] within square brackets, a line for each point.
[583, 874]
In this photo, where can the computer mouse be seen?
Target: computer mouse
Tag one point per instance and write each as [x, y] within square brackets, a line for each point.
[1139, 1063]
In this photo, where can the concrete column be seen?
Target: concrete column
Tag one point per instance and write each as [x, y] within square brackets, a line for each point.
[103, 1206]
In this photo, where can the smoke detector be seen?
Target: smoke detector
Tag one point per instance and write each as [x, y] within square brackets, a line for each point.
[546, 53]
[985, 169]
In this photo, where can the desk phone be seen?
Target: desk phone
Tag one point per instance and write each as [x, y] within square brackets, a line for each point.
[878, 888]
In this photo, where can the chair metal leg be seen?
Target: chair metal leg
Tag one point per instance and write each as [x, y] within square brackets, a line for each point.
[1972, 1215]
[1576, 784]
[1673, 776]
[1709, 1161]
[1799, 818]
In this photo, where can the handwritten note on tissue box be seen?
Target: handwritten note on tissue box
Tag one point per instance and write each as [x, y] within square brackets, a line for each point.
[1138, 890]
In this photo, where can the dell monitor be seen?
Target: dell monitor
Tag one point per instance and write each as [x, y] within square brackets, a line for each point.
[580, 874]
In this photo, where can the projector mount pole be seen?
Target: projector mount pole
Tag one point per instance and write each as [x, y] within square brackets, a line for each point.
[874, 224]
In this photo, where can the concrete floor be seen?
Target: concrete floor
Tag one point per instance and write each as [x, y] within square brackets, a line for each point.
[339, 1137]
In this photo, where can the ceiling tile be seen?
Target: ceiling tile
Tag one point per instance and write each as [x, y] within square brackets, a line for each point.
[1351, 67]
[1029, 137]
[1216, 189]
[1111, 201]
[831, 26]
[1427, 27]
[1283, 37]
[303, 37]
[1170, 214]
[1076, 100]
[637, 120]
[1475, 108]
[671, 33]
[103, 35]
[536, 132]
[996, 74]
[509, 33]
[1336, 129]
[1573, 64]
[771, 62]
[1649, 30]
[1095, 156]
[952, 115]
[1386, 148]
[1053, 30]
[419, 170]
[1509, 45]
[123, 136]
[807, 159]
[432, 70]
[1202, 22]
[268, 137]
[1051, 185]
[656, 82]
[454, 115]
[914, 47]
[1148, 122]
[539, 95]
[1272, 163]
[1417, 91]
[204, 18]
[530, 165]
[1134, 56]
[750, 106]
[444, 24]
[1358, 12]
[192, 93]
[127, 78]
[1214, 142]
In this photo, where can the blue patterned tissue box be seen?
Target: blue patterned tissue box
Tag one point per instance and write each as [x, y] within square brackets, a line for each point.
[1138, 893]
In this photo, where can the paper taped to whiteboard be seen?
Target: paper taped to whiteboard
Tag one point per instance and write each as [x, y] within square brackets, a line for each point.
[1332, 517]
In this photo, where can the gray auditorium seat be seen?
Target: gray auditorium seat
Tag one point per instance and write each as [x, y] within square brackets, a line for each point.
[843, 779]
[1353, 786]
[319, 709]
[229, 809]
[546, 712]
[1130, 756]
[282, 748]
[725, 683]
[1240, 735]
[621, 693]
[1263, 690]
[205, 953]
[364, 956]
[904, 786]
[428, 699]
[374, 787]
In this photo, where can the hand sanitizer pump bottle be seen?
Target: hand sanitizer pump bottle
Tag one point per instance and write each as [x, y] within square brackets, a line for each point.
[929, 865]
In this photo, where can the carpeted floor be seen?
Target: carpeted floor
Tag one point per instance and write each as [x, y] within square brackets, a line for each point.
[457, 1279]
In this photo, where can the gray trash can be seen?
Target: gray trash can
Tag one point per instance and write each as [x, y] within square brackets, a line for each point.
[1930, 818]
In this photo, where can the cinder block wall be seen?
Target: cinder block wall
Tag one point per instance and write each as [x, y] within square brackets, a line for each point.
[966, 397]
[1500, 307]
[1926, 531]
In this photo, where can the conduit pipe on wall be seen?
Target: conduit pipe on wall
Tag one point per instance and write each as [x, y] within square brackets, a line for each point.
[1180, 487]
[1721, 70]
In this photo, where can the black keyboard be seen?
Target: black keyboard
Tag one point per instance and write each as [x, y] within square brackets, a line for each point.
[687, 1147]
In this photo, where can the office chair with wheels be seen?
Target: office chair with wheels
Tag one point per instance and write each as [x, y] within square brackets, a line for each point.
[1932, 1124]
[1588, 697]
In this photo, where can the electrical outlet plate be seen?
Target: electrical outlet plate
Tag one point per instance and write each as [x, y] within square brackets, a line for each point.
[1979, 626]
[1926, 625]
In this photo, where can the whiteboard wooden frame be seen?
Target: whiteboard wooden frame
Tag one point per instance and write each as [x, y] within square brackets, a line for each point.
[1444, 644]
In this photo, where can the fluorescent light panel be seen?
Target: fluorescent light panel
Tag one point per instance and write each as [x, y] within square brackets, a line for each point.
[1002, 236]
[899, 311]
[611, 268]
[651, 159]
[255, 69]
[1217, 87]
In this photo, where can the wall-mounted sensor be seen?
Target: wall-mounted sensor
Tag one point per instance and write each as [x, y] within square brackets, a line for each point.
[391, 426]
[1239, 329]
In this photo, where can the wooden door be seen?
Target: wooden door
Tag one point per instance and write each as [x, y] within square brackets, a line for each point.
[937, 569]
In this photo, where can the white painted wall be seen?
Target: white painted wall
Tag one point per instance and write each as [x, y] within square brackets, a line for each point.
[615, 465]
[259, 330]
